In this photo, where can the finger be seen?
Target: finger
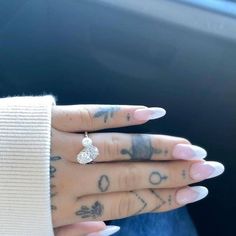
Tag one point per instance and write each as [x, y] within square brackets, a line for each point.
[80, 229]
[125, 147]
[123, 204]
[94, 117]
[116, 177]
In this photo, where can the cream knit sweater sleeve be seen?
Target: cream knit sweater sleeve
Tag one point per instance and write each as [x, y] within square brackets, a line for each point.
[25, 126]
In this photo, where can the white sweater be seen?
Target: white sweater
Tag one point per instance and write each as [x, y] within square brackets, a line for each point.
[25, 126]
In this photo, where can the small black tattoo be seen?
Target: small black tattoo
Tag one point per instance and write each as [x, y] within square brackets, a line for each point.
[169, 200]
[94, 211]
[183, 174]
[53, 195]
[53, 208]
[128, 117]
[141, 148]
[144, 204]
[156, 178]
[52, 186]
[52, 171]
[161, 201]
[103, 183]
[106, 112]
[55, 158]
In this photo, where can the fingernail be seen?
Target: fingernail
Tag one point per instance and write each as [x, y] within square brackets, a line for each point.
[206, 170]
[191, 194]
[109, 230]
[151, 113]
[188, 152]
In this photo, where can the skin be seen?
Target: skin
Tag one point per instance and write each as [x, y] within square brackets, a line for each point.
[133, 174]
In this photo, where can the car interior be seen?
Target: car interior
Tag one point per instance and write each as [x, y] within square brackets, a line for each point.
[180, 55]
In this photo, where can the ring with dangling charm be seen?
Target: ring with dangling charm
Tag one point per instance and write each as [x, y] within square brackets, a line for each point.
[89, 153]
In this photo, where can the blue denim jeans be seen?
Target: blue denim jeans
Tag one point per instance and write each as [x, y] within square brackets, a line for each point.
[172, 223]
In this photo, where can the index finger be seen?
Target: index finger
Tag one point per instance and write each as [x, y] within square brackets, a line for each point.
[80, 118]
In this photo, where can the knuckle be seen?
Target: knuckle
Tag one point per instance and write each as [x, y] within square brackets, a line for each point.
[86, 118]
[112, 146]
[129, 177]
[126, 205]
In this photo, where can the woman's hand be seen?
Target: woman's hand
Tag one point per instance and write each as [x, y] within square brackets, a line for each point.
[133, 174]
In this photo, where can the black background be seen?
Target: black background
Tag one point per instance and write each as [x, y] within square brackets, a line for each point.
[88, 53]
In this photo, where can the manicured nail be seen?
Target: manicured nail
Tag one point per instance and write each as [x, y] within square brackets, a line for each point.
[151, 113]
[109, 230]
[191, 194]
[206, 170]
[188, 152]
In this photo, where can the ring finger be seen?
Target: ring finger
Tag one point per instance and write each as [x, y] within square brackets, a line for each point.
[116, 177]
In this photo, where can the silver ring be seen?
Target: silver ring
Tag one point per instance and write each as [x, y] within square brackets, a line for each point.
[89, 153]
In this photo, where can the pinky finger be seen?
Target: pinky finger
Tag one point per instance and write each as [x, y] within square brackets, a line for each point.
[79, 229]
[123, 204]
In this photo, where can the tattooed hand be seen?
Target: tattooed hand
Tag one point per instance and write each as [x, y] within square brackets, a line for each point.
[134, 173]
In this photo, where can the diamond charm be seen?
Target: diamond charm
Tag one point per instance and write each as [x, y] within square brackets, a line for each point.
[88, 153]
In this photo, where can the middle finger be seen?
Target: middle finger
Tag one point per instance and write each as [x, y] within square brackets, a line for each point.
[126, 147]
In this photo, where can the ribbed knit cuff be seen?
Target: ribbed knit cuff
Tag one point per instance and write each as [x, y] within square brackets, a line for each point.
[25, 127]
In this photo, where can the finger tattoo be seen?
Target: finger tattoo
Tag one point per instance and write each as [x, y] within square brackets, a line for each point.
[142, 201]
[128, 117]
[106, 112]
[142, 149]
[103, 183]
[156, 178]
[93, 212]
[169, 200]
[183, 173]
[161, 201]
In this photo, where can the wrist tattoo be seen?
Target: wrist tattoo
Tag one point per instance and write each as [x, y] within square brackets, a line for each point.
[93, 212]
[106, 112]
[142, 149]
[52, 175]
[103, 183]
[52, 171]
[53, 208]
[55, 158]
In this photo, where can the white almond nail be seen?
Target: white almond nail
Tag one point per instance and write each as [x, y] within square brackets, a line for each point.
[111, 229]
[151, 113]
[188, 152]
[191, 194]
